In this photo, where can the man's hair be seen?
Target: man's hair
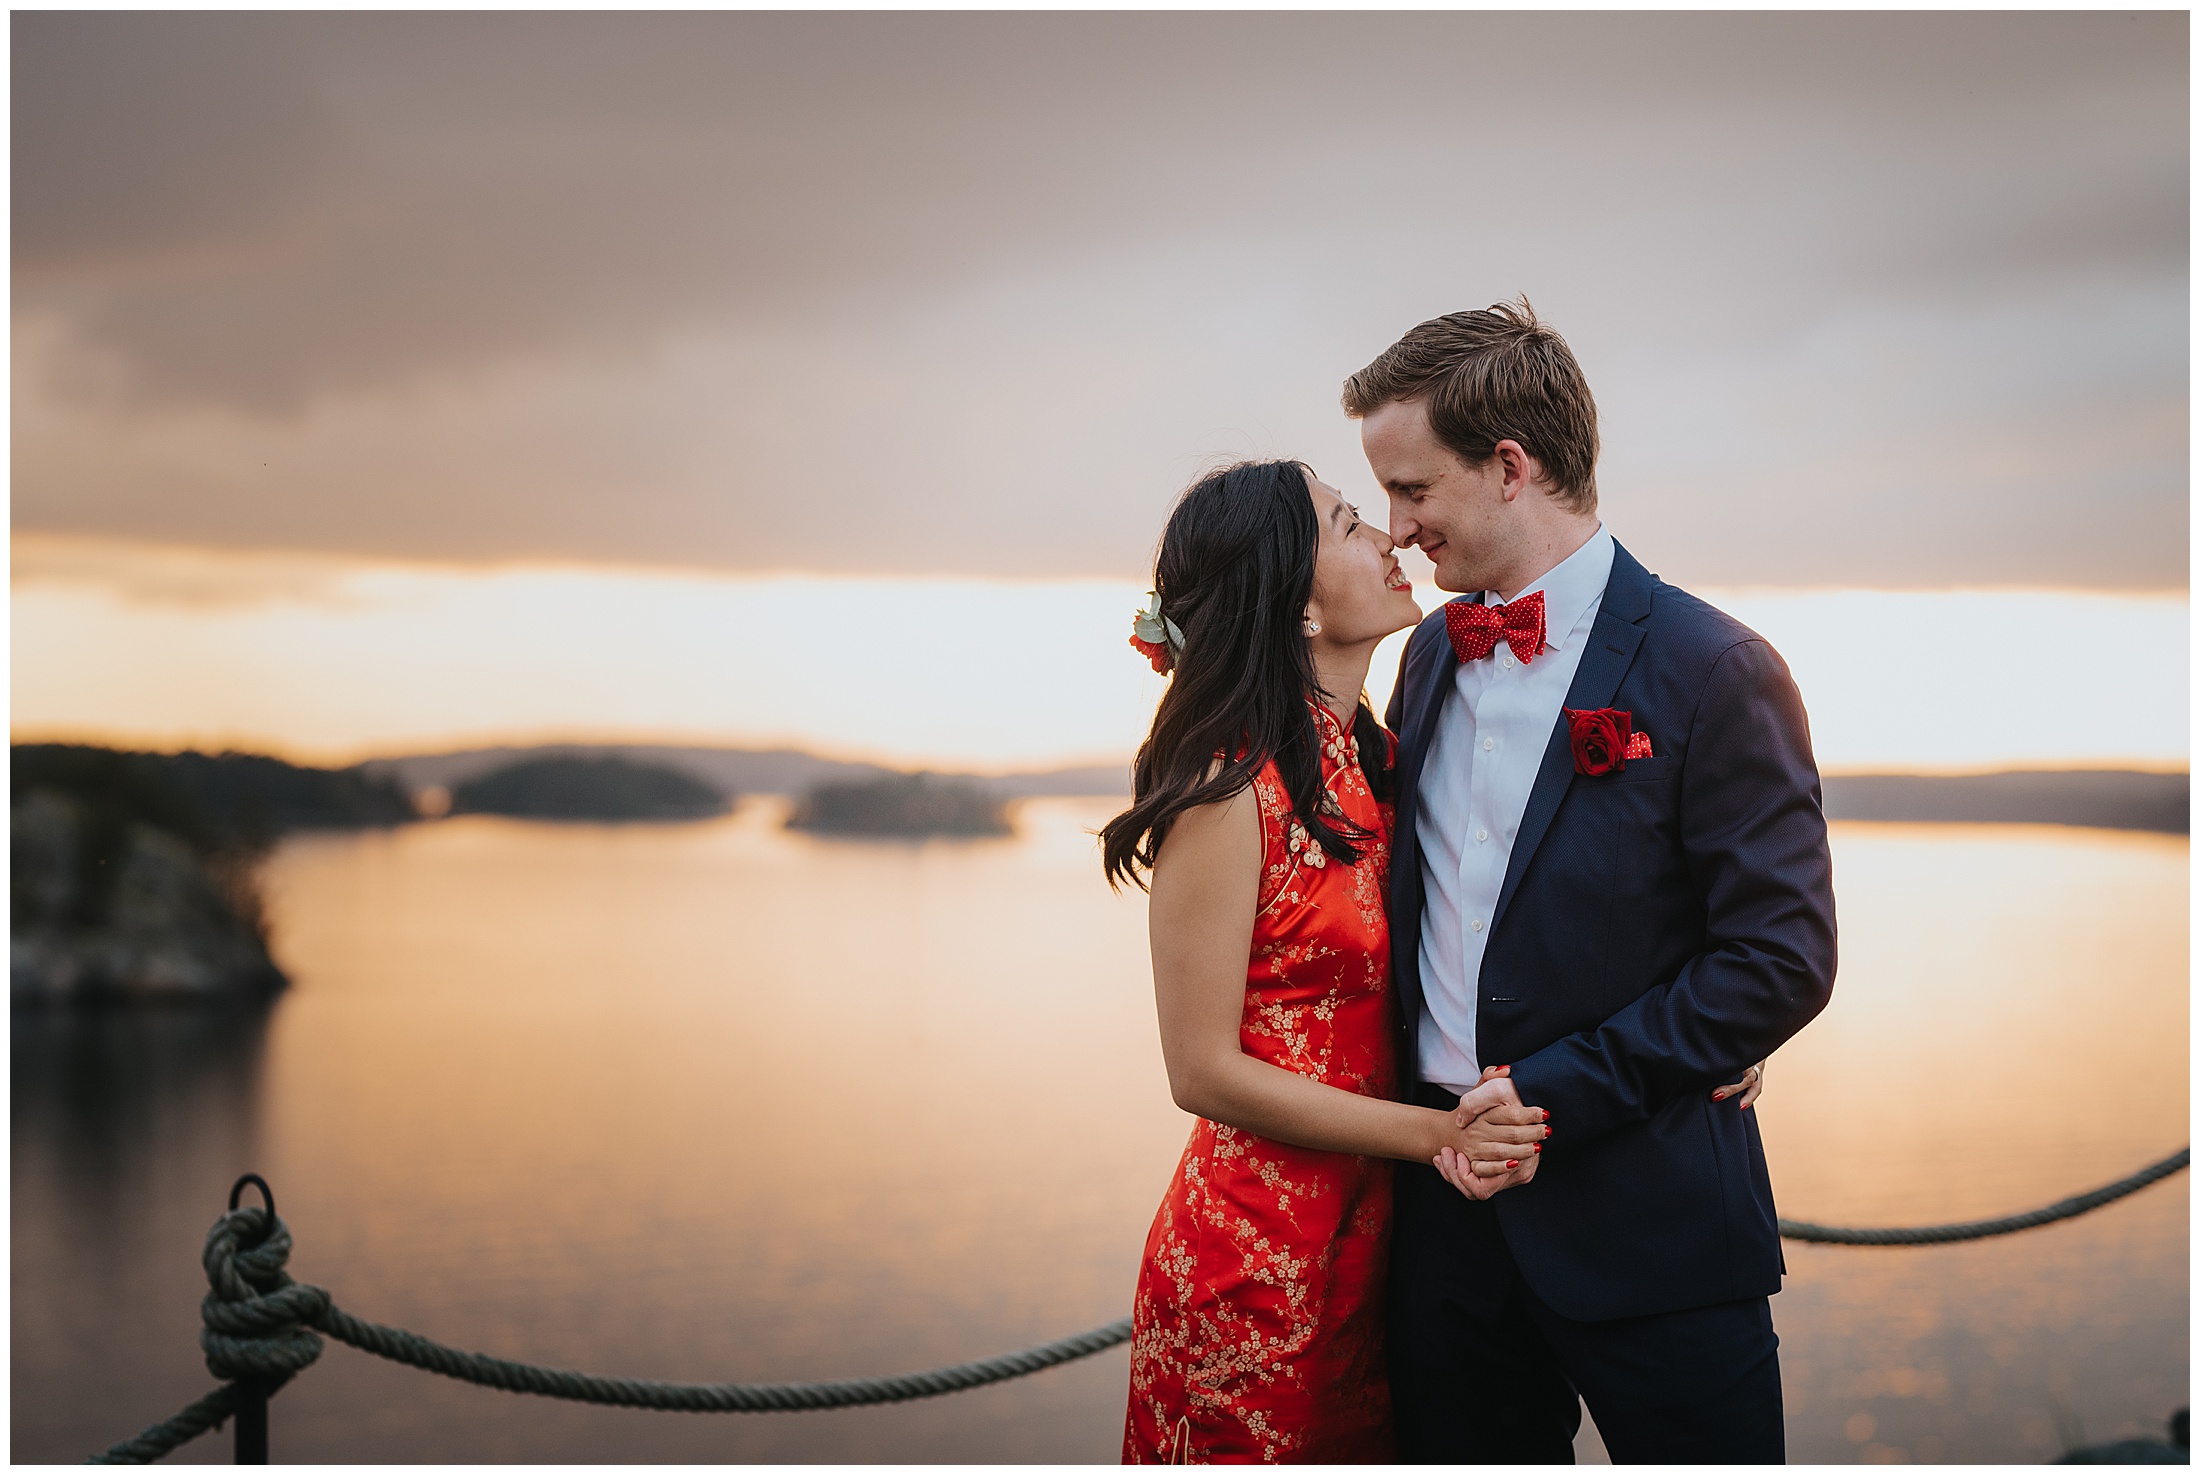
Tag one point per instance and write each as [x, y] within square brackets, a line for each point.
[1498, 374]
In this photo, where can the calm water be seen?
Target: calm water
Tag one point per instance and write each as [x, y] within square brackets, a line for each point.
[722, 1102]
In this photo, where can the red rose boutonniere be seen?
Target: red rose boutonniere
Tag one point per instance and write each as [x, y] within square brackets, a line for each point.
[1604, 739]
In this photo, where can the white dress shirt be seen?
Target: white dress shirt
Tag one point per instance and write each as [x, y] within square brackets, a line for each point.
[1490, 736]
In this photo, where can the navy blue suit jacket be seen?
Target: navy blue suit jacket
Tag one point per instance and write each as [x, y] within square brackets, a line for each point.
[1658, 930]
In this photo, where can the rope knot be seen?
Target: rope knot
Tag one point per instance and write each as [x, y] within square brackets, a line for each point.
[257, 1318]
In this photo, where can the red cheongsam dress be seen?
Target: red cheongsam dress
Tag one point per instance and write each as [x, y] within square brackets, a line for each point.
[1257, 1330]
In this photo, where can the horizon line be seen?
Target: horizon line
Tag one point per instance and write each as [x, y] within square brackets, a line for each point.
[308, 758]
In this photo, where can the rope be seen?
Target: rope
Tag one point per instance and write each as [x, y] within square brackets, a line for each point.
[255, 1315]
[1942, 1234]
[520, 1377]
[254, 1328]
[260, 1325]
[166, 1435]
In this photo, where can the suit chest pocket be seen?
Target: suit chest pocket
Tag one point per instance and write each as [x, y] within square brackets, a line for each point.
[1634, 810]
[1641, 771]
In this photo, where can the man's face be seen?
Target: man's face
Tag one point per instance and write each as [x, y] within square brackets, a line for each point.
[1451, 511]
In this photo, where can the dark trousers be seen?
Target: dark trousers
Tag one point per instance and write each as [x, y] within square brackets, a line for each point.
[1481, 1371]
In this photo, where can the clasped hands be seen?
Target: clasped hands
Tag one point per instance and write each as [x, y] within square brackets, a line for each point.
[1498, 1140]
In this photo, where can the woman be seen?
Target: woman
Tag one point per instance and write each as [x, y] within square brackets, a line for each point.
[1262, 814]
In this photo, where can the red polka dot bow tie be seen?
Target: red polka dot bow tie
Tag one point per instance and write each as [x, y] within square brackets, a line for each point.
[1475, 629]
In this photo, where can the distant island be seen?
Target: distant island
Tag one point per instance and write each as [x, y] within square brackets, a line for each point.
[788, 771]
[2103, 799]
[601, 789]
[905, 805]
[132, 874]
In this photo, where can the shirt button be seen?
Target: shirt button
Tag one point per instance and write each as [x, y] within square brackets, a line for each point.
[1506, 662]
[1481, 834]
[1476, 924]
[1488, 744]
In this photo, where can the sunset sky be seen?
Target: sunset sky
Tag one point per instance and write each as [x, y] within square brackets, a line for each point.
[406, 380]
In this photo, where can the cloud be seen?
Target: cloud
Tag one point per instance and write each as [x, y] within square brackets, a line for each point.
[977, 293]
[154, 576]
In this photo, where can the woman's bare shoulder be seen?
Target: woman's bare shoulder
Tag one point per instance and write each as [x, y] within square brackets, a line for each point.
[1225, 831]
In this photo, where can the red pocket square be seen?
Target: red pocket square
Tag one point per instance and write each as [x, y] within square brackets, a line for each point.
[1638, 745]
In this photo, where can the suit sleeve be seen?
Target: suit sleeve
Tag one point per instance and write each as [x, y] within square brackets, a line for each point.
[1753, 833]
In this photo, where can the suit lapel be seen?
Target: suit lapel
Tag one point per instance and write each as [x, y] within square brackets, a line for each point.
[1613, 641]
[1428, 662]
[1425, 689]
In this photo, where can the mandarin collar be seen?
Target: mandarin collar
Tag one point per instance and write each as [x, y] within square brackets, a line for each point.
[1323, 714]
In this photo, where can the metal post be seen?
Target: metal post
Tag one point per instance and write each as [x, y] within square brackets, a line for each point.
[251, 1422]
[251, 1393]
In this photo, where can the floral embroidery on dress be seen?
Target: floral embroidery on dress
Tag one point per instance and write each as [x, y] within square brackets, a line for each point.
[1257, 1322]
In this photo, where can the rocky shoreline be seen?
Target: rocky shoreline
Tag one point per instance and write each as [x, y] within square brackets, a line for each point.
[132, 874]
[169, 925]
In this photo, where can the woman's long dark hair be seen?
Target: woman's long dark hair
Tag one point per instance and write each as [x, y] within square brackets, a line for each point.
[1235, 572]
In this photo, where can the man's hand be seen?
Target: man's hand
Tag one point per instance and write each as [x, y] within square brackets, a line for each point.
[1494, 1089]
[1499, 1129]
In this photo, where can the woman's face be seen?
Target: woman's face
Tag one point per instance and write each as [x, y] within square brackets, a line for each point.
[1360, 595]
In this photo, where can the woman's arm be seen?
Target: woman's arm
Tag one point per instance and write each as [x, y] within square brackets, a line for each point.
[1205, 889]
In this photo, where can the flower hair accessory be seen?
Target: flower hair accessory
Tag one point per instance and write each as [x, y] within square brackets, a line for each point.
[1155, 636]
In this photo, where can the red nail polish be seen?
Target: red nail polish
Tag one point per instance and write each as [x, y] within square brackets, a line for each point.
[1546, 1114]
[1512, 1162]
[1539, 1149]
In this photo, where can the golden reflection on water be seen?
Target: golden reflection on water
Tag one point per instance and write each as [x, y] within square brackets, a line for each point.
[2010, 1027]
[719, 1101]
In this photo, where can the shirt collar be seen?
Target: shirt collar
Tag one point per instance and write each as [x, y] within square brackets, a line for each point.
[1571, 589]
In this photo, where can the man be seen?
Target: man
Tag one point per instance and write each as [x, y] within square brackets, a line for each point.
[1610, 876]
